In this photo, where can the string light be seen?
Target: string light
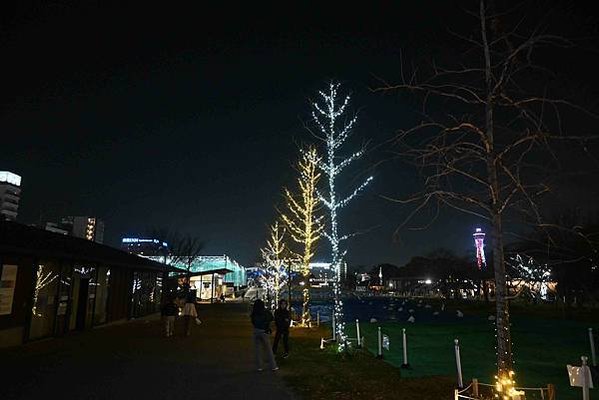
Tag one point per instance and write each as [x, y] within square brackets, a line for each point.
[326, 117]
[305, 227]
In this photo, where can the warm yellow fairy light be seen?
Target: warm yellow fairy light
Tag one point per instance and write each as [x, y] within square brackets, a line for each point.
[301, 220]
[505, 386]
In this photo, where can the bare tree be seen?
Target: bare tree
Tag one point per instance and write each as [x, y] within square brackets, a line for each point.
[486, 152]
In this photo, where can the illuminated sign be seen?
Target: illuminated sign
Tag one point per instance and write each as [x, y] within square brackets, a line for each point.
[140, 240]
[11, 178]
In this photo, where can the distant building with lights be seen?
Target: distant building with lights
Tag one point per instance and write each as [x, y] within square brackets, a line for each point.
[85, 227]
[10, 195]
[145, 247]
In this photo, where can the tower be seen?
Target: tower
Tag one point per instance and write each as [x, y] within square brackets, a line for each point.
[479, 242]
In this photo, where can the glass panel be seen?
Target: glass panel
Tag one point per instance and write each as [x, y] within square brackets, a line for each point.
[64, 296]
[101, 295]
[44, 307]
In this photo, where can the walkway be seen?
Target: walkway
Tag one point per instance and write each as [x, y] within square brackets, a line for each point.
[134, 361]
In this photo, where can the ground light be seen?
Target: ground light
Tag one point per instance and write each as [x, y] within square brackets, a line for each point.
[505, 387]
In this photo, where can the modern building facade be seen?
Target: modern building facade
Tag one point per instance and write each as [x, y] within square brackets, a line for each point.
[235, 276]
[52, 284]
[84, 227]
[10, 195]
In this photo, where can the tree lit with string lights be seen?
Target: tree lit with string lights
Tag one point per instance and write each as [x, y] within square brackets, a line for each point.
[334, 128]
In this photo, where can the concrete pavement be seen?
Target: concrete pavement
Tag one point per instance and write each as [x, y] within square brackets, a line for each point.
[134, 360]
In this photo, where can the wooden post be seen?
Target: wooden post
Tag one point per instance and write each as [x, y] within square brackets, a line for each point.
[550, 392]
[475, 387]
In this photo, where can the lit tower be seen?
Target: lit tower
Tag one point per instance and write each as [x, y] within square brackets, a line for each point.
[381, 275]
[479, 242]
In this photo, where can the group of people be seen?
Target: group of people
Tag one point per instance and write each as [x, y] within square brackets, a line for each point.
[261, 320]
[170, 310]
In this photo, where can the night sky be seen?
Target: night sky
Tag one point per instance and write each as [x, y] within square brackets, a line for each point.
[190, 118]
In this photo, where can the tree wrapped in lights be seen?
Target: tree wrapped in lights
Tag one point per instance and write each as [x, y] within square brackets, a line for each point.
[273, 255]
[489, 135]
[330, 118]
[42, 280]
[304, 225]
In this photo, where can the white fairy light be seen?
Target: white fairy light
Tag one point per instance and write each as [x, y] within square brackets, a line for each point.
[326, 115]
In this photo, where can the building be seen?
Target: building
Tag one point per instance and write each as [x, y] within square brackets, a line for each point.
[235, 277]
[85, 227]
[145, 247]
[10, 195]
[52, 284]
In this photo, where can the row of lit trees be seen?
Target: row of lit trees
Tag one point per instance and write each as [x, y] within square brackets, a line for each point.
[303, 218]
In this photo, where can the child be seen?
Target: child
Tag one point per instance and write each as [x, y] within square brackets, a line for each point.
[169, 312]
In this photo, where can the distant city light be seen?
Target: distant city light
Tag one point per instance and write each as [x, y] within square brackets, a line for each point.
[428, 281]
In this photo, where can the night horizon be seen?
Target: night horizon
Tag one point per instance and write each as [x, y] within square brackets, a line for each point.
[201, 124]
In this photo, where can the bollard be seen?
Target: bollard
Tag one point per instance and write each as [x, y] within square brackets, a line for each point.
[405, 364]
[585, 379]
[458, 363]
[379, 353]
[333, 326]
[593, 354]
[358, 333]
[475, 387]
[318, 318]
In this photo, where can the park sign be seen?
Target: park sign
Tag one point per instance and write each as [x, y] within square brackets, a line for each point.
[577, 376]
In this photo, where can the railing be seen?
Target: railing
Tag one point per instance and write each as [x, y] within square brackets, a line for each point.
[478, 390]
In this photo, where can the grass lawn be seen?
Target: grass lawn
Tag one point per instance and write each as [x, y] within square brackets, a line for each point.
[542, 348]
[324, 374]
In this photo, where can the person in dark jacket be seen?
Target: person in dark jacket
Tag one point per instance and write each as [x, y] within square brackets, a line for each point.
[282, 322]
[169, 311]
[261, 319]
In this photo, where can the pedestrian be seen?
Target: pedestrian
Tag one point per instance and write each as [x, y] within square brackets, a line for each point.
[169, 312]
[222, 297]
[189, 312]
[282, 322]
[261, 319]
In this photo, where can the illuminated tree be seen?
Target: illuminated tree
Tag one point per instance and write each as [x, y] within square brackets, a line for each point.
[42, 280]
[273, 256]
[303, 224]
[485, 141]
[334, 129]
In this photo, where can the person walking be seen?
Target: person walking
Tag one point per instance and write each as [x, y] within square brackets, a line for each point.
[189, 312]
[261, 319]
[282, 322]
[169, 312]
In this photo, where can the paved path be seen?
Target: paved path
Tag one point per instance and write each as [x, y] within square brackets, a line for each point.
[134, 361]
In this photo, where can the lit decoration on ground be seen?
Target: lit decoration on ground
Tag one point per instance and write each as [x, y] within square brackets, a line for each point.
[505, 387]
[335, 128]
[479, 242]
[304, 226]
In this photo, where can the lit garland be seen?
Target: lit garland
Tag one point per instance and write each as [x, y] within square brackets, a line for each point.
[326, 116]
[305, 227]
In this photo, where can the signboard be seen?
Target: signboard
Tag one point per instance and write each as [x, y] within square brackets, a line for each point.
[575, 374]
[8, 282]
[386, 342]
